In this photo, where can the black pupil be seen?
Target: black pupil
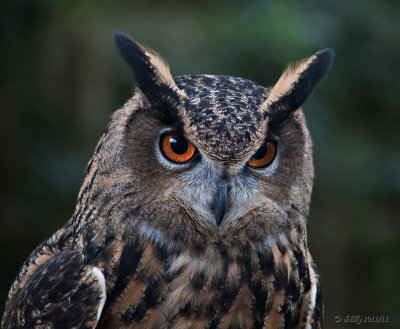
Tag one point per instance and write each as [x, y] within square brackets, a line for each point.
[179, 145]
[260, 152]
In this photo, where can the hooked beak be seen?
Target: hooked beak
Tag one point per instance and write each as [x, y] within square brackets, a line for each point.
[221, 202]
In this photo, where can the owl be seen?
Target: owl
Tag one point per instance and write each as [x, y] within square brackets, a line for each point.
[192, 212]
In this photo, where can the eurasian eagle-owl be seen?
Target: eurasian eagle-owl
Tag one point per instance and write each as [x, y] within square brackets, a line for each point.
[192, 211]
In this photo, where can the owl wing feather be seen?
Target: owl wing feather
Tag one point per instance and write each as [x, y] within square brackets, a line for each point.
[315, 307]
[311, 308]
[62, 293]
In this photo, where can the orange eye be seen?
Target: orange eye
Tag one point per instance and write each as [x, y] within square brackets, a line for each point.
[264, 156]
[176, 148]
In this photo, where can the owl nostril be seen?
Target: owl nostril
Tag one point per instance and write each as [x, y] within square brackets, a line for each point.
[221, 202]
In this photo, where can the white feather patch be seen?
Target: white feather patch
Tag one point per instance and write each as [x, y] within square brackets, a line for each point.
[102, 281]
[313, 298]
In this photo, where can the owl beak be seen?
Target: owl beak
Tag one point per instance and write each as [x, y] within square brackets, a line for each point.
[221, 202]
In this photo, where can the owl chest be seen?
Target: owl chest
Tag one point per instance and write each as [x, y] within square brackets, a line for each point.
[204, 291]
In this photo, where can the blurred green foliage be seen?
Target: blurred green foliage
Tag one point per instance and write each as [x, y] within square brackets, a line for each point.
[61, 79]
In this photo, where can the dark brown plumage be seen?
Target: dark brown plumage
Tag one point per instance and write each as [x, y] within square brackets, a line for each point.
[208, 243]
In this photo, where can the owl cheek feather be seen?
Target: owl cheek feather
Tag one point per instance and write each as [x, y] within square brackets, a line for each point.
[296, 84]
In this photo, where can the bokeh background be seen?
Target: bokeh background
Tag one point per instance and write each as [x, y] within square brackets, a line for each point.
[61, 79]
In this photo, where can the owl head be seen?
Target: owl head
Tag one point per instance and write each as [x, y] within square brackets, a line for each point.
[206, 157]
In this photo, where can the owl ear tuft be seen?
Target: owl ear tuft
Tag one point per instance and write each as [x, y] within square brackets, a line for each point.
[297, 82]
[151, 72]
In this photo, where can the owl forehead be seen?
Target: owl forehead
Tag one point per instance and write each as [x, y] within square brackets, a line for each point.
[225, 112]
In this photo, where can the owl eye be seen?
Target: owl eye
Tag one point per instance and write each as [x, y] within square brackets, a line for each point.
[176, 148]
[264, 155]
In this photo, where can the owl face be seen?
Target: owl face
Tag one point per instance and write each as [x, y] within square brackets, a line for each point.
[217, 151]
[222, 158]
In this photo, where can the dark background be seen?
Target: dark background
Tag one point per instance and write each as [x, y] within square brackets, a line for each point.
[61, 79]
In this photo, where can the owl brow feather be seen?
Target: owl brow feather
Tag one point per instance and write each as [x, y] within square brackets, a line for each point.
[168, 114]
